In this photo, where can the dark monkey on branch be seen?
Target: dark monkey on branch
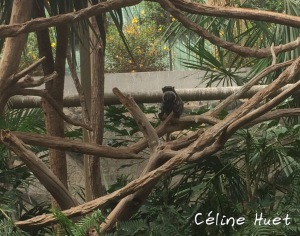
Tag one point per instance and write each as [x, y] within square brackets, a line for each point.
[171, 102]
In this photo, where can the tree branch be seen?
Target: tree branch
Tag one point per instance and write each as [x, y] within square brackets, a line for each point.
[140, 118]
[195, 94]
[39, 169]
[187, 6]
[237, 12]
[85, 114]
[275, 114]
[76, 146]
[45, 95]
[269, 105]
[29, 82]
[27, 70]
[240, 50]
[247, 87]
[43, 23]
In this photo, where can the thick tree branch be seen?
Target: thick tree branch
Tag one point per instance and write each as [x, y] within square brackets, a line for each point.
[11, 54]
[237, 12]
[142, 121]
[75, 146]
[247, 87]
[195, 94]
[279, 113]
[187, 6]
[39, 169]
[240, 50]
[43, 23]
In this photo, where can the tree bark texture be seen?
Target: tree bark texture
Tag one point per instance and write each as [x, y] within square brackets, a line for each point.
[97, 108]
[55, 88]
[21, 12]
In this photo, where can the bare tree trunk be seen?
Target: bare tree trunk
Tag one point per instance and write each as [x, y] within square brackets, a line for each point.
[97, 109]
[12, 52]
[54, 123]
[85, 72]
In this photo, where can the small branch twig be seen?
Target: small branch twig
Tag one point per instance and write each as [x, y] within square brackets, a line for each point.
[29, 82]
[273, 54]
[45, 95]
[85, 113]
[27, 70]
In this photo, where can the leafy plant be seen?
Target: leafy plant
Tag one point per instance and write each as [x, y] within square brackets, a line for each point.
[83, 226]
[148, 53]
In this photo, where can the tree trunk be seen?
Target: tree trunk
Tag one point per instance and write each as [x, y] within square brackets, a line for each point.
[54, 123]
[97, 108]
[12, 52]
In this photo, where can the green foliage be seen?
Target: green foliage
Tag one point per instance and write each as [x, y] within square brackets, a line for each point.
[80, 228]
[123, 127]
[14, 178]
[226, 68]
[7, 229]
[26, 120]
[257, 172]
[271, 5]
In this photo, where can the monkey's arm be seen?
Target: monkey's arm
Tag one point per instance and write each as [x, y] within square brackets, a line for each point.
[162, 112]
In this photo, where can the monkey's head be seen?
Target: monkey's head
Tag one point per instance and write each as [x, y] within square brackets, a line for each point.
[168, 94]
[168, 88]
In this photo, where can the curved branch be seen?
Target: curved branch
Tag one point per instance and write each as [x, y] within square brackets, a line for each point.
[266, 107]
[45, 95]
[247, 87]
[240, 50]
[43, 23]
[191, 7]
[276, 114]
[76, 146]
[237, 12]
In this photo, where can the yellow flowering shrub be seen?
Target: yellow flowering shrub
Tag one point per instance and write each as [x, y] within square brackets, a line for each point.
[148, 51]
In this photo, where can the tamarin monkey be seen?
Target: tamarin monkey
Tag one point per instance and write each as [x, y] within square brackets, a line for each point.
[171, 102]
